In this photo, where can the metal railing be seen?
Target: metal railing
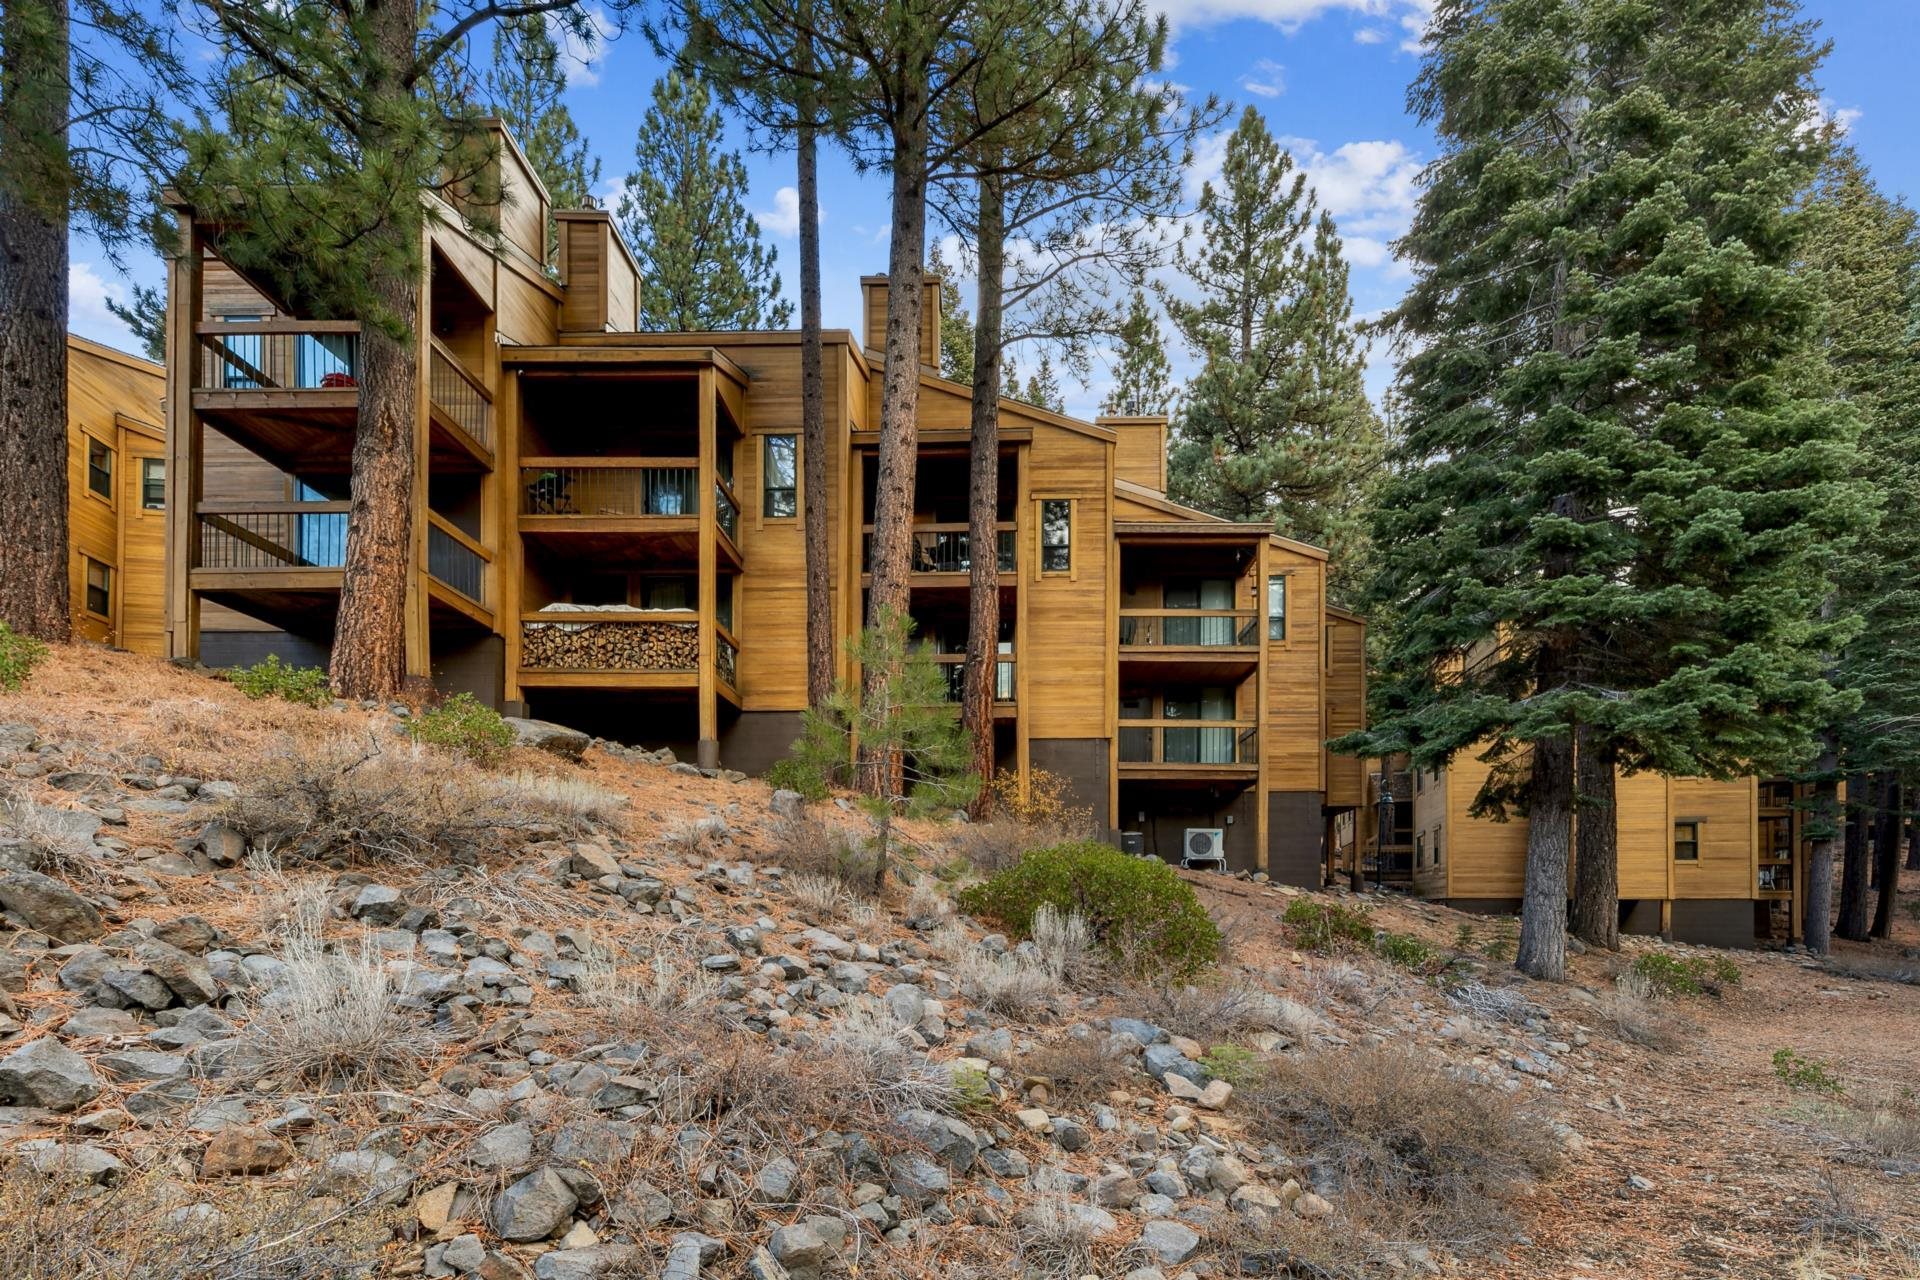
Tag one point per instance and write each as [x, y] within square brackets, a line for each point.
[588, 641]
[726, 659]
[453, 561]
[460, 395]
[271, 535]
[1194, 742]
[1197, 628]
[726, 512]
[278, 355]
[953, 667]
[594, 487]
[944, 548]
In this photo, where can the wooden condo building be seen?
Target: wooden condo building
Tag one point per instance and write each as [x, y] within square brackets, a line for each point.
[608, 534]
[116, 497]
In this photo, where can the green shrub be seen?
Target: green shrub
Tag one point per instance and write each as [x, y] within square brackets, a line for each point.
[1144, 916]
[1231, 1063]
[19, 655]
[1505, 941]
[796, 774]
[464, 724]
[276, 679]
[1326, 926]
[1669, 975]
[1464, 938]
[1805, 1075]
[1405, 950]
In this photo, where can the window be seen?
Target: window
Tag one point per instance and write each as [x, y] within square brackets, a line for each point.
[1419, 781]
[723, 602]
[668, 593]
[1420, 849]
[1056, 535]
[780, 492]
[1439, 848]
[1277, 607]
[99, 588]
[1686, 841]
[153, 484]
[100, 468]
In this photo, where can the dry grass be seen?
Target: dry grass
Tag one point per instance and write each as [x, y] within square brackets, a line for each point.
[153, 1227]
[1492, 1004]
[1872, 964]
[1066, 945]
[808, 846]
[667, 985]
[1051, 1243]
[1027, 980]
[60, 850]
[1079, 1069]
[1281, 1244]
[357, 799]
[880, 1068]
[1642, 1021]
[1216, 1011]
[1406, 1141]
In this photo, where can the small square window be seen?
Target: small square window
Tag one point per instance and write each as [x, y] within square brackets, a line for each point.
[780, 493]
[153, 484]
[1686, 841]
[100, 468]
[99, 588]
[1056, 535]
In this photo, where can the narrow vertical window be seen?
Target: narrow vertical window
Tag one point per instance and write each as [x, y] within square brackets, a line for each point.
[1056, 535]
[1277, 607]
[779, 487]
[153, 484]
[100, 468]
[99, 588]
[1686, 841]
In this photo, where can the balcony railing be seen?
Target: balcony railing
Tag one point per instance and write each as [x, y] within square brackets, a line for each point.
[590, 487]
[1194, 742]
[609, 640]
[726, 512]
[455, 560]
[460, 395]
[953, 666]
[1195, 628]
[944, 548]
[278, 355]
[271, 535]
[726, 658]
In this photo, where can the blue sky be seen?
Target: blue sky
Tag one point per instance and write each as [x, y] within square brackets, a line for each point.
[1329, 75]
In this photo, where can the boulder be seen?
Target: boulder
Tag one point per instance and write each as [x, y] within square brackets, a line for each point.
[1172, 1243]
[187, 976]
[788, 804]
[45, 1073]
[590, 1263]
[508, 1146]
[801, 1250]
[49, 906]
[556, 739]
[535, 1207]
[242, 1150]
[72, 1160]
[143, 1065]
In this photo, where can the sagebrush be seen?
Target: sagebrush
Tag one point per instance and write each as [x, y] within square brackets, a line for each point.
[465, 725]
[272, 678]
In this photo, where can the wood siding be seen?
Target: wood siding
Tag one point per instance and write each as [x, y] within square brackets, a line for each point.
[114, 399]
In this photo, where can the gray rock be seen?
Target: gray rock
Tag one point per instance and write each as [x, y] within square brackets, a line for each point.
[641, 1204]
[1070, 1134]
[133, 987]
[590, 1263]
[953, 1142]
[80, 1160]
[906, 1002]
[95, 1020]
[556, 739]
[1163, 1058]
[590, 862]
[762, 1266]
[535, 1207]
[49, 906]
[918, 1180]
[223, 846]
[776, 1181]
[190, 934]
[1171, 1242]
[1144, 1032]
[800, 1249]
[186, 976]
[377, 904]
[507, 1147]
[45, 1073]
[688, 1252]
[788, 804]
[142, 1065]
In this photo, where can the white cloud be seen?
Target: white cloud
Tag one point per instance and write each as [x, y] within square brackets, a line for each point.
[1288, 15]
[784, 218]
[1368, 35]
[88, 293]
[582, 53]
[1841, 118]
[1268, 79]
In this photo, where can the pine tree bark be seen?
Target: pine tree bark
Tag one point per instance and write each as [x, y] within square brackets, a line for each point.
[1886, 846]
[983, 490]
[1543, 911]
[1913, 846]
[813, 430]
[1596, 868]
[1817, 924]
[34, 593]
[370, 637]
[1853, 870]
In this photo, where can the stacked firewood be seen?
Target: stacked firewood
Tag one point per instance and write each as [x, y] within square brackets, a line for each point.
[610, 646]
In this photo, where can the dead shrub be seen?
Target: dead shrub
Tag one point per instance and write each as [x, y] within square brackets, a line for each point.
[60, 847]
[1040, 818]
[805, 845]
[880, 1068]
[1639, 1020]
[1209, 1012]
[1282, 1244]
[1054, 1243]
[1405, 1140]
[1014, 984]
[1079, 1069]
[357, 799]
[665, 986]
[1869, 964]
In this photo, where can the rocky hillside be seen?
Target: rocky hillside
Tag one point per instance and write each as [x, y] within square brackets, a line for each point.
[286, 994]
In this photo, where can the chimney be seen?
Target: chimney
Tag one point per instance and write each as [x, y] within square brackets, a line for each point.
[1140, 455]
[873, 292]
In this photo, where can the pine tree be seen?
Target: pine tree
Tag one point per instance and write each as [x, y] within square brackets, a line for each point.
[145, 315]
[82, 131]
[956, 326]
[1275, 427]
[1609, 511]
[526, 87]
[702, 264]
[1142, 375]
[1042, 387]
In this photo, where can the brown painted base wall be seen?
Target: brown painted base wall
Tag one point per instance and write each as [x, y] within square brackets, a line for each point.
[1714, 922]
[1170, 813]
[1083, 763]
[1641, 917]
[757, 739]
[1486, 906]
[244, 648]
[1296, 830]
[475, 664]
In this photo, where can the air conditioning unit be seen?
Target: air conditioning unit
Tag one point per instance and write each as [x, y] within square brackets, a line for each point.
[1204, 845]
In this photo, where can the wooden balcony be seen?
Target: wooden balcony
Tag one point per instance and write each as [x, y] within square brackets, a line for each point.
[1190, 644]
[279, 562]
[461, 408]
[611, 508]
[1196, 750]
[942, 553]
[610, 648]
[1005, 687]
[457, 571]
[287, 389]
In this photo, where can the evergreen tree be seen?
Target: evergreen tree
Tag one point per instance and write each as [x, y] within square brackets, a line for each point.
[702, 263]
[1275, 427]
[956, 326]
[145, 315]
[1608, 513]
[1142, 375]
[1042, 387]
[526, 87]
[82, 131]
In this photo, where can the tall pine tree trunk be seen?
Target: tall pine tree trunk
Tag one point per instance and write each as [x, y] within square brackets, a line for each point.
[1886, 848]
[1913, 845]
[900, 376]
[370, 637]
[813, 429]
[983, 490]
[1816, 924]
[1853, 869]
[1543, 911]
[1596, 867]
[33, 318]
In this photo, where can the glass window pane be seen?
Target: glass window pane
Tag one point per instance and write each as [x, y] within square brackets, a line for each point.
[153, 483]
[779, 483]
[1056, 535]
[99, 468]
[99, 588]
[1277, 607]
